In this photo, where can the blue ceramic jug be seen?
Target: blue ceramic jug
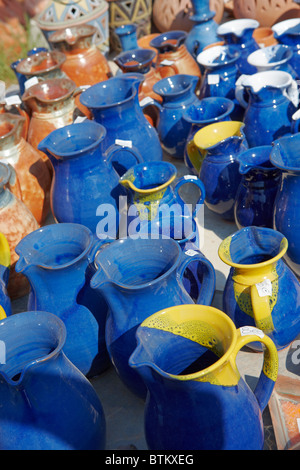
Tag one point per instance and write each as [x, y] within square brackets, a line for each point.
[127, 36]
[273, 101]
[288, 32]
[85, 176]
[239, 32]
[58, 262]
[154, 192]
[207, 111]
[256, 289]
[276, 57]
[49, 404]
[220, 144]
[178, 94]
[114, 103]
[137, 278]
[204, 28]
[197, 399]
[220, 75]
[286, 157]
[5, 261]
[256, 195]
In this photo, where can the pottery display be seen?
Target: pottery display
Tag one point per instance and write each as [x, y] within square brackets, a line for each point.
[288, 32]
[254, 205]
[220, 73]
[42, 388]
[285, 157]
[57, 260]
[267, 14]
[190, 394]
[239, 33]
[273, 58]
[220, 144]
[5, 260]
[16, 221]
[204, 29]
[32, 172]
[178, 94]
[172, 52]
[43, 66]
[85, 179]
[154, 191]
[62, 14]
[256, 287]
[115, 104]
[84, 63]
[137, 278]
[272, 100]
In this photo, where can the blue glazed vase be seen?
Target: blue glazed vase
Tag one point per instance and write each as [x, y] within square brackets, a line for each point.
[258, 189]
[256, 289]
[137, 278]
[207, 111]
[287, 32]
[49, 404]
[239, 33]
[220, 144]
[220, 75]
[127, 37]
[86, 174]
[276, 57]
[273, 99]
[178, 94]
[114, 103]
[204, 30]
[58, 262]
[196, 398]
[286, 157]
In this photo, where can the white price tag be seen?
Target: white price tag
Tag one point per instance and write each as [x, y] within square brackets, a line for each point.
[167, 62]
[298, 424]
[12, 100]
[191, 253]
[80, 119]
[32, 81]
[213, 79]
[264, 288]
[146, 101]
[251, 330]
[124, 143]
[190, 177]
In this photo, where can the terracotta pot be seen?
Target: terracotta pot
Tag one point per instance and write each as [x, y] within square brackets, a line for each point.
[174, 14]
[267, 13]
[264, 37]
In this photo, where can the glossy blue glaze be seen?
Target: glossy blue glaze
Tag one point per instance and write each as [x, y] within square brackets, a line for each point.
[114, 103]
[239, 33]
[288, 33]
[136, 60]
[178, 94]
[258, 189]
[85, 176]
[127, 36]
[253, 246]
[220, 75]
[204, 30]
[286, 157]
[5, 302]
[276, 57]
[57, 260]
[207, 111]
[49, 404]
[138, 278]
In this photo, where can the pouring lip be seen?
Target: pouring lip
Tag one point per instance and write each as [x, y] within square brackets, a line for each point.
[252, 58]
[283, 26]
[30, 93]
[234, 26]
[277, 144]
[188, 80]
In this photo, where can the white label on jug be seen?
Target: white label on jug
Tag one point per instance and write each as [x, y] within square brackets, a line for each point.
[124, 143]
[264, 288]
[167, 62]
[11, 100]
[146, 101]
[213, 79]
[251, 330]
[32, 81]
[296, 115]
[190, 177]
[191, 253]
[80, 119]
[298, 423]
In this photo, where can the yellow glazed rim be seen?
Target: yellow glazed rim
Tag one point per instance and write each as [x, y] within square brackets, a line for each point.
[213, 134]
[131, 185]
[5, 257]
[187, 314]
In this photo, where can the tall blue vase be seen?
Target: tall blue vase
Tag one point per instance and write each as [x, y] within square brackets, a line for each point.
[204, 31]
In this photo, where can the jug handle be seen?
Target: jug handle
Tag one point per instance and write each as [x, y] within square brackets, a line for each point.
[187, 179]
[98, 244]
[114, 149]
[240, 90]
[208, 286]
[146, 102]
[262, 311]
[269, 373]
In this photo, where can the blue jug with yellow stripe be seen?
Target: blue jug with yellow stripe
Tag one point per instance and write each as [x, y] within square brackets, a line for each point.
[5, 260]
[197, 399]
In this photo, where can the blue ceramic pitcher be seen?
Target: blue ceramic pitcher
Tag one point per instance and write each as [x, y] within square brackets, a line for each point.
[204, 28]
[114, 103]
[49, 404]
[58, 262]
[86, 180]
[197, 399]
[5, 261]
[287, 32]
[127, 36]
[137, 278]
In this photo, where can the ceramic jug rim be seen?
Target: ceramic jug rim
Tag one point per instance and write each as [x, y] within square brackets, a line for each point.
[146, 56]
[159, 40]
[24, 68]
[125, 29]
[32, 92]
[277, 79]
[220, 101]
[191, 311]
[52, 321]
[278, 146]
[126, 178]
[262, 154]
[283, 26]
[187, 80]
[12, 119]
[207, 58]
[211, 136]
[237, 26]
[260, 57]
[72, 34]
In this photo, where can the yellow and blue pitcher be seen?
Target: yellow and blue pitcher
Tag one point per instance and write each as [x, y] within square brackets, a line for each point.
[5, 260]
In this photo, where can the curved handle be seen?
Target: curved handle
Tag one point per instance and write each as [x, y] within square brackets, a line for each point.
[269, 373]
[261, 306]
[150, 102]
[240, 90]
[98, 244]
[194, 180]
[112, 151]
